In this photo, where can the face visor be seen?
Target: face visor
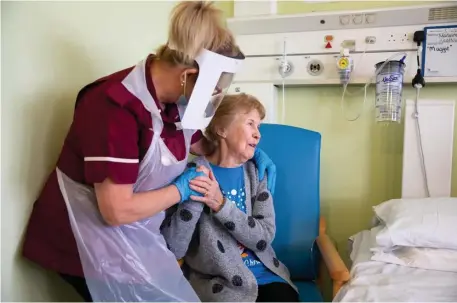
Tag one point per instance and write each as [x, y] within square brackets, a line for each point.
[215, 75]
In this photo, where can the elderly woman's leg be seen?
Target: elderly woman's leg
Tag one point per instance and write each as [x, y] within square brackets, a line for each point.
[277, 292]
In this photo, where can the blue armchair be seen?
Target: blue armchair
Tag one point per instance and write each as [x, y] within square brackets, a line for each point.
[301, 242]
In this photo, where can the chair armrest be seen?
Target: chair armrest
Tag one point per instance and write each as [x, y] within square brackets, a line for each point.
[335, 265]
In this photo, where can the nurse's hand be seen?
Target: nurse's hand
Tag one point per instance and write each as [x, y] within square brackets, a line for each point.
[182, 183]
[265, 164]
[209, 187]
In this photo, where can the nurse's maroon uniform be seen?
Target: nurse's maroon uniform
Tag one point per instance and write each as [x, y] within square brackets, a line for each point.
[107, 139]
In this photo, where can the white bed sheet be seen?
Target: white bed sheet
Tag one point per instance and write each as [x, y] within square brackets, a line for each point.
[373, 281]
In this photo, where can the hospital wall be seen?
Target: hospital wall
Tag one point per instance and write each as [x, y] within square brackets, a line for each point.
[51, 49]
[361, 161]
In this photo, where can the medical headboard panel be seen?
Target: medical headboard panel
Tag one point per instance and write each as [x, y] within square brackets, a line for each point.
[436, 121]
[296, 153]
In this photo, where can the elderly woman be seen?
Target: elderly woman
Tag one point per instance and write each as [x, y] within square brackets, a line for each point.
[225, 236]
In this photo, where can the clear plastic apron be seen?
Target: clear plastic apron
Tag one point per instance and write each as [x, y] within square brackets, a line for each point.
[130, 262]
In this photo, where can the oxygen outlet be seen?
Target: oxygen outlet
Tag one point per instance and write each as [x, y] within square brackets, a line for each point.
[285, 68]
[315, 67]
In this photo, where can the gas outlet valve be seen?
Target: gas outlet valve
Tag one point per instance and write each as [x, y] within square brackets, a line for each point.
[315, 67]
[285, 68]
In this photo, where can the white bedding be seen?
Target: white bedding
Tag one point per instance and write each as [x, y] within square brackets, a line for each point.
[422, 222]
[373, 281]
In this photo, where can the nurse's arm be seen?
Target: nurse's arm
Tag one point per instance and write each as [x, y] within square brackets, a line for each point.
[109, 142]
[119, 205]
[196, 147]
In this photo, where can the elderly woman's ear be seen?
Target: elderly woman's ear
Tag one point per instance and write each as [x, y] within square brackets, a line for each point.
[221, 133]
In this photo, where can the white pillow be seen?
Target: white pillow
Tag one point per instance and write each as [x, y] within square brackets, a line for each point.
[427, 222]
[381, 238]
[425, 258]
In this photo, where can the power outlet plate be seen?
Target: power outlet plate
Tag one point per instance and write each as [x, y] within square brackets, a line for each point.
[399, 38]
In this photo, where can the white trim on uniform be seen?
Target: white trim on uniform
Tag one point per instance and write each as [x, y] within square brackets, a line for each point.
[111, 159]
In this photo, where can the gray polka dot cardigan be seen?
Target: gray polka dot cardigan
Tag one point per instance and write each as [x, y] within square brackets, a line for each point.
[208, 241]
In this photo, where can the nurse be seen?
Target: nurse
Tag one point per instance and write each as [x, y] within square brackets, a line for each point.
[96, 222]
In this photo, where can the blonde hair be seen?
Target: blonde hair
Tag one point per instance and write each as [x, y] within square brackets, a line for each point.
[230, 107]
[195, 25]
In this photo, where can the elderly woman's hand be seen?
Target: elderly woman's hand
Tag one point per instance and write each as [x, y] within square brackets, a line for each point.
[209, 187]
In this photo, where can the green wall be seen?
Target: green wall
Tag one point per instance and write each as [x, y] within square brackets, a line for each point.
[300, 7]
[361, 160]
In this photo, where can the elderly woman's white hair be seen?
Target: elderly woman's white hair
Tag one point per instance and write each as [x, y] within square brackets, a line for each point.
[230, 107]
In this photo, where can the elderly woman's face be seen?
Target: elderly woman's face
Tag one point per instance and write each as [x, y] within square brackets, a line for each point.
[242, 136]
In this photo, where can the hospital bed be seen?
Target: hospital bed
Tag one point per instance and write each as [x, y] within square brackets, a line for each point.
[400, 275]
[412, 273]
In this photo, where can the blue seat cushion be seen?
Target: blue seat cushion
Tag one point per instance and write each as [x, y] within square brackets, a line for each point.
[309, 291]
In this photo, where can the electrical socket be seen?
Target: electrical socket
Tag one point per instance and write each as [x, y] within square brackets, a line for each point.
[370, 39]
[399, 38]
